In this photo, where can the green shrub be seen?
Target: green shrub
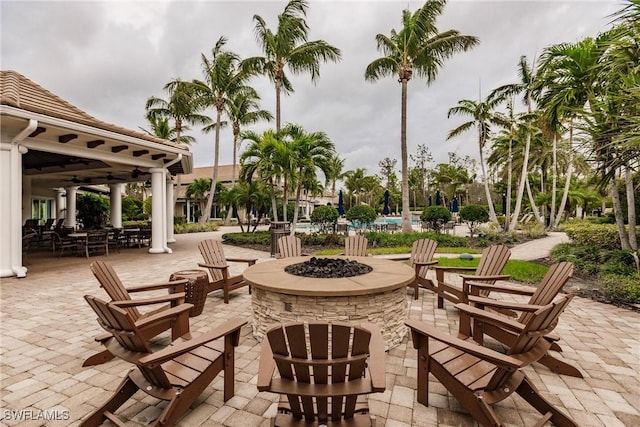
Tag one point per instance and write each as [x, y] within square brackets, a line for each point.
[390, 240]
[436, 216]
[533, 230]
[325, 217]
[196, 227]
[361, 215]
[257, 238]
[135, 224]
[179, 220]
[621, 287]
[474, 215]
[603, 235]
[131, 208]
[489, 231]
[93, 210]
[316, 239]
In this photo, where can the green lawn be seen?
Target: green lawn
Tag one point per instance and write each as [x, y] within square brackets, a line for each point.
[520, 271]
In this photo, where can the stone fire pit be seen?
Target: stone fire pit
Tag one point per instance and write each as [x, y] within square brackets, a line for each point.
[379, 296]
[328, 268]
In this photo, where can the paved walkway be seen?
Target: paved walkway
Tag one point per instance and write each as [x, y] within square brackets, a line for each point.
[46, 332]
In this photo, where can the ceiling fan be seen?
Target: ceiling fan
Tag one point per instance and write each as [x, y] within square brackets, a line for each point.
[137, 172]
[77, 180]
[110, 177]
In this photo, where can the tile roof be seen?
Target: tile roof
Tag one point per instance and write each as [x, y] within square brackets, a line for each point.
[18, 91]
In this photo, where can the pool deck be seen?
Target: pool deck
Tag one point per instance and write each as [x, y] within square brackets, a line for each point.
[47, 330]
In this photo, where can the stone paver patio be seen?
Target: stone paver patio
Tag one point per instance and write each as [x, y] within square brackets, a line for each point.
[47, 330]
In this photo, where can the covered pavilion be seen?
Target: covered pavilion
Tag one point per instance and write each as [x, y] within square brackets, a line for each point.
[51, 149]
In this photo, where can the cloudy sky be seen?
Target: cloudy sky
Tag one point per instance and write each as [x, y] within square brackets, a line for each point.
[107, 58]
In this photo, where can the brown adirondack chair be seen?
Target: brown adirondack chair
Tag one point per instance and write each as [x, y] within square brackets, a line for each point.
[552, 283]
[492, 261]
[178, 373]
[356, 245]
[173, 314]
[421, 259]
[216, 262]
[290, 246]
[329, 385]
[478, 376]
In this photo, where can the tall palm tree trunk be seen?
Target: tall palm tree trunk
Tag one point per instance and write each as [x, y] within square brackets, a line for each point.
[278, 90]
[567, 182]
[507, 217]
[406, 214]
[554, 181]
[216, 154]
[521, 185]
[274, 204]
[617, 209]
[227, 221]
[631, 209]
[485, 180]
[532, 201]
[296, 204]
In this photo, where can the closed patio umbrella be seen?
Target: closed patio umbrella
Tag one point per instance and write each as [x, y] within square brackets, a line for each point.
[340, 203]
[454, 204]
[385, 209]
[438, 199]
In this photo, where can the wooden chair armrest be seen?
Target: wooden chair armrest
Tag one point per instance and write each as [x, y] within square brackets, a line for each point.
[377, 361]
[487, 278]
[499, 359]
[182, 309]
[446, 268]
[229, 327]
[425, 263]
[489, 317]
[219, 267]
[507, 289]
[156, 286]
[488, 302]
[177, 297]
[249, 261]
[267, 366]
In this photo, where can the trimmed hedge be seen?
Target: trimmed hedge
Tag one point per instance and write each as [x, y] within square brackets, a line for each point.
[586, 234]
[389, 240]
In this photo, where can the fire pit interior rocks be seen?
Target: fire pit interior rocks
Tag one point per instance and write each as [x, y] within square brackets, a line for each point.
[327, 268]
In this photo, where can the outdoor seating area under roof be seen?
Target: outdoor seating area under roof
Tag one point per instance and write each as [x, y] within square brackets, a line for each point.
[50, 148]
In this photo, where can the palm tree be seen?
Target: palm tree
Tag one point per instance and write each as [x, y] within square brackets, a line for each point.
[257, 161]
[199, 190]
[243, 109]
[181, 106]
[310, 151]
[482, 117]
[354, 183]
[223, 79]
[289, 47]
[160, 127]
[336, 165]
[419, 47]
[525, 87]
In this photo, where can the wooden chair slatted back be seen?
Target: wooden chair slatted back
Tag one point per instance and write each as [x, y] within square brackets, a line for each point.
[308, 358]
[111, 283]
[552, 283]
[356, 245]
[213, 253]
[289, 246]
[492, 261]
[540, 324]
[422, 250]
[118, 322]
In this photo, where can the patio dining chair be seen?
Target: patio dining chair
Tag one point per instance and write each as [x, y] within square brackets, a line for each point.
[172, 314]
[325, 372]
[478, 376]
[177, 374]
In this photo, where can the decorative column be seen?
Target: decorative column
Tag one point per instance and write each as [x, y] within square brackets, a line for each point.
[188, 214]
[70, 221]
[60, 203]
[115, 195]
[158, 226]
[6, 222]
[170, 210]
